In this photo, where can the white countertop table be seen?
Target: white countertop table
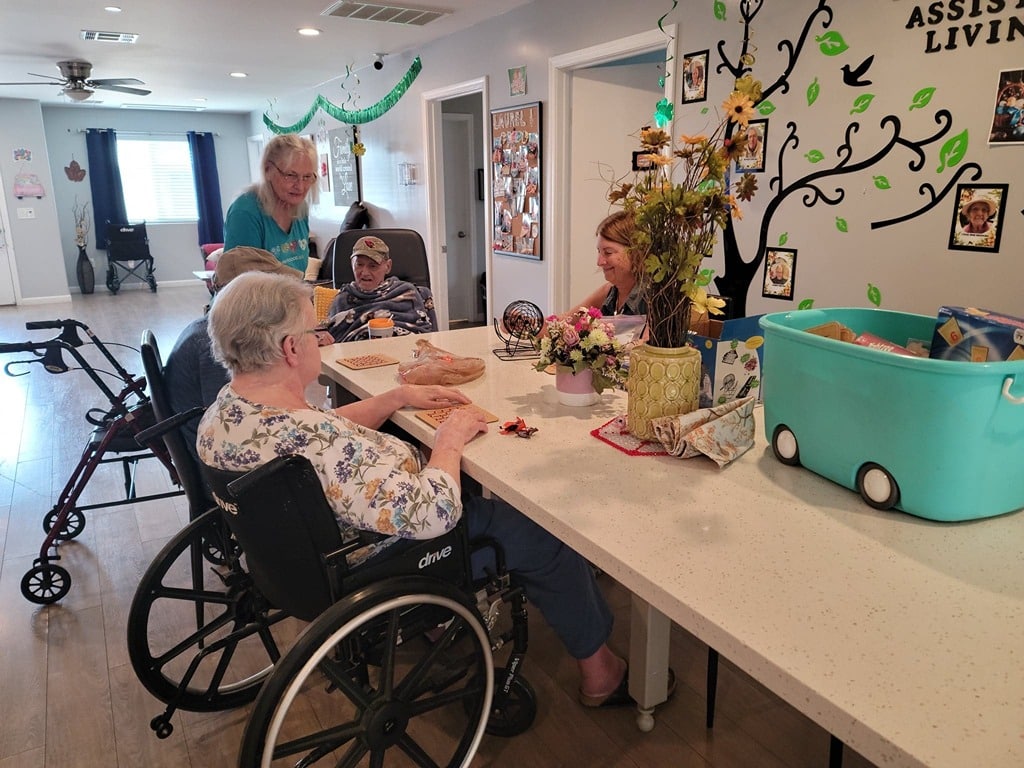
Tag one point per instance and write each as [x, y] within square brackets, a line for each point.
[902, 637]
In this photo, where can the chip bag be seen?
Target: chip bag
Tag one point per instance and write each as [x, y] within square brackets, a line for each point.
[431, 365]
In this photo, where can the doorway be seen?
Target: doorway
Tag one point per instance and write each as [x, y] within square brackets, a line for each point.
[8, 291]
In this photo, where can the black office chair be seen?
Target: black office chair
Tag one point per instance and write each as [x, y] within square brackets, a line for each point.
[406, 248]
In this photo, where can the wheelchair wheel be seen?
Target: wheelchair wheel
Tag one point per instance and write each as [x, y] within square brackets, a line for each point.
[45, 583]
[186, 612]
[152, 283]
[74, 523]
[517, 712]
[363, 687]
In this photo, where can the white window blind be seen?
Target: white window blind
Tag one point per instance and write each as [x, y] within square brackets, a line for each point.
[156, 173]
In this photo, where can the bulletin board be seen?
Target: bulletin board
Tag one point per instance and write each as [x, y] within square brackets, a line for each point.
[516, 181]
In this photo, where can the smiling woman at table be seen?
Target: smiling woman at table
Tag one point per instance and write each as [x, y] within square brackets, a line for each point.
[262, 328]
[620, 295]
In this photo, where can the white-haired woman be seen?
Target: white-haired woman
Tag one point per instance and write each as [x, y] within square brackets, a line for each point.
[274, 214]
[263, 330]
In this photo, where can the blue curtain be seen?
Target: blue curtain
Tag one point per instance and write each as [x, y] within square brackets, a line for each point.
[105, 182]
[204, 171]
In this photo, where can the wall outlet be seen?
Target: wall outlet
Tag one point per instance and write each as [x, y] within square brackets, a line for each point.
[26, 213]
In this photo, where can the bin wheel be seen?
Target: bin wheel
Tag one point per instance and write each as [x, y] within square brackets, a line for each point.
[517, 712]
[73, 523]
[877, 487]
[785, 447]
[45, 583]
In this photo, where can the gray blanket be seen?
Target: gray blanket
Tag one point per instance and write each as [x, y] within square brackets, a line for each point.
[410, 306]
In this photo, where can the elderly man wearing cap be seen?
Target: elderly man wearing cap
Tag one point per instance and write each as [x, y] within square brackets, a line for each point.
[374, 293]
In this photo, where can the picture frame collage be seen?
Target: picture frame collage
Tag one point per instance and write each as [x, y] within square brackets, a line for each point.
[516, 181]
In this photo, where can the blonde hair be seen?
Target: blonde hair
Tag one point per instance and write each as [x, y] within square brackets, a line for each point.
[280, 151]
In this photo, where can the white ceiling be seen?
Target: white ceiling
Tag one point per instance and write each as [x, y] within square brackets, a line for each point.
[186, 48]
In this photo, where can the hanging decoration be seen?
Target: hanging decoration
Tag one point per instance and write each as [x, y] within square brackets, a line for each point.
[354, 117]
[74, 171]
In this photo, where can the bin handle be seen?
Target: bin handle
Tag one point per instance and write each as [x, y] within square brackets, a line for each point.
[1006, 392]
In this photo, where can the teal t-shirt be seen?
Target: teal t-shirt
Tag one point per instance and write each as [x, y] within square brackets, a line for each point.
[247, 224]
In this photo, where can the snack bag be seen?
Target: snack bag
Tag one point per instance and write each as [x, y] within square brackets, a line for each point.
[432, 365]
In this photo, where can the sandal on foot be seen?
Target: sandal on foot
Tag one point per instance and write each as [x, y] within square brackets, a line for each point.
[620, 696]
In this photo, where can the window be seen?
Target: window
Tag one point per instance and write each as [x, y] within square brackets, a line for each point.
[156, 173]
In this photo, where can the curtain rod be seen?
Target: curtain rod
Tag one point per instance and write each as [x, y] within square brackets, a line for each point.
[141, 133]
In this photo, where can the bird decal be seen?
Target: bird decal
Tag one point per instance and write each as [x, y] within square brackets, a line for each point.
[855, 77]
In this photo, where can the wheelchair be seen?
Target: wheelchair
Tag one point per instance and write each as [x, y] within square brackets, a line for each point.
[395, 665]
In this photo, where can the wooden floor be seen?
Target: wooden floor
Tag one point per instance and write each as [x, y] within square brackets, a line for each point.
[69, 697]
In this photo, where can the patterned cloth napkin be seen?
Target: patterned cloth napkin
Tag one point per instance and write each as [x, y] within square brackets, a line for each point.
[722, 432]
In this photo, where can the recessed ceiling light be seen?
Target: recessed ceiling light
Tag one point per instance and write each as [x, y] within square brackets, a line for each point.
[238, 74]
[309, 31]
[111, 9]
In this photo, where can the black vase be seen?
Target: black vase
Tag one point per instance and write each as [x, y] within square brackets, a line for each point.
[85, 272]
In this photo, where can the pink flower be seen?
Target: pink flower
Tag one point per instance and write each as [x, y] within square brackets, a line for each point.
[594, 312]
[571, 336]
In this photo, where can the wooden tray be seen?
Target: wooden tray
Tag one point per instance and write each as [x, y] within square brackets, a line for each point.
[374, 360]
[436, 416]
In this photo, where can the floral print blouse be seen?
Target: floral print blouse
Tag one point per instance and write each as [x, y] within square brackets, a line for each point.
[373, 481]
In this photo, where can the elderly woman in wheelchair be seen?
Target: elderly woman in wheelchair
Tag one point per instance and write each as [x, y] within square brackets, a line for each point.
[394, 507]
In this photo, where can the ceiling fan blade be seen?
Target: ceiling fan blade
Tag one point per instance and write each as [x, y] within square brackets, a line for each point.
[115, 81]
[48, 77]
[120, 88]
[34, 82]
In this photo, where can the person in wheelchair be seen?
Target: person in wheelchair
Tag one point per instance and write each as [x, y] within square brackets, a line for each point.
[262, 328]
[375, 292]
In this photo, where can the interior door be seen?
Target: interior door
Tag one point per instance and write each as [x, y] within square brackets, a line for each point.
[458, 249]
[7, 294]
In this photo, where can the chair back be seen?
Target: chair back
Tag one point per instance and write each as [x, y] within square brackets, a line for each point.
[405, 246]
[281, 519]
[184, 465]
[127, 242]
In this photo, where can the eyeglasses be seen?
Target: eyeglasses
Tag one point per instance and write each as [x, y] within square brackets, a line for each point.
[291, 177]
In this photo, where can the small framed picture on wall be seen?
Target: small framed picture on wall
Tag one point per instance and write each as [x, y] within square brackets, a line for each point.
[779, 274]
[978, 217]
[752, 147]
[695, 77]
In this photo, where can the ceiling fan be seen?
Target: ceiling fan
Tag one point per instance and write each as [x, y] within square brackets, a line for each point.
[76, 85]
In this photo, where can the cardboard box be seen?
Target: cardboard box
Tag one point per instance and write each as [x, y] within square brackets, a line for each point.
[977, 336]
[731, 360]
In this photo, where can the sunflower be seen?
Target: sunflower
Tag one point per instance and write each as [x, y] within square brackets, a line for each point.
[739, 108]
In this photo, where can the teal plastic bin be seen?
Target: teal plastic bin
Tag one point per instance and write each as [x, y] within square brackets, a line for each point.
[940, 439]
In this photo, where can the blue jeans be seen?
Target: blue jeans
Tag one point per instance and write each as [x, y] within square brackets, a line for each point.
[555, 578]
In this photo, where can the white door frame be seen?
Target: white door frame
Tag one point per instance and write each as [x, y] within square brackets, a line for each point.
[434, 174]
[5, 233]
[559, 150]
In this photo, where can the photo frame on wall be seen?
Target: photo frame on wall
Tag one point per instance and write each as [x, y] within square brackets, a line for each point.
[779, 274]
[344, 164]
[754, 139]
[642, 160]
[695, 77]
[978, 217]
[516, 181]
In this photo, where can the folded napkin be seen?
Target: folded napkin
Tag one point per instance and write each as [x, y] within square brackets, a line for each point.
[722, 432]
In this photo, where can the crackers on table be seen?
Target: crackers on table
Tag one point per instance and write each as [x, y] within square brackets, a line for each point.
[435, 417]
[373, 360]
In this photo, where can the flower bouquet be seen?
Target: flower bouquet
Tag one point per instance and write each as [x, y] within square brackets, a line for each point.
[581, 341]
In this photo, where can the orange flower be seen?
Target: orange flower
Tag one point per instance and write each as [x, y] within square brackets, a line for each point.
[734, 207]
[693, 139]
[739, 108]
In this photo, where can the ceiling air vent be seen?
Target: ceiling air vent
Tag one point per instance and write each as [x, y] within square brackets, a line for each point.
[125, 38]
[394, 14]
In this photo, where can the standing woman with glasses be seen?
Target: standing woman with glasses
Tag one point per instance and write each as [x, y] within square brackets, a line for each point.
[274, 214]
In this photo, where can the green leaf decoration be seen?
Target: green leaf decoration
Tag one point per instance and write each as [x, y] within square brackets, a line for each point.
[921, 99]
[704, 111]
[661, 81]
[831, 43]
[815, 156]
[719, 10]
[813, 90]
[881, 182]
[862, 103]
[841, 224]
[805, 304]
[663, 112]
[874, 295]
[953, 151]
[704, 277]
[766, 107]
[783, 239]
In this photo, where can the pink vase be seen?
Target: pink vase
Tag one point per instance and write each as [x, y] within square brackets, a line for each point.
[575, 389]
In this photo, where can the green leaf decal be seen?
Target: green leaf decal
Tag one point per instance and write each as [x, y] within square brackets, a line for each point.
[862, 103]
[704, 111]
[841, 224]
[766, 107]
[812, 92]
[815, 156]
[881, 182]
[719, 10]
[921, 99]
[953, 151]
[831, 43]
[874, 295]
[704, 277]
[783, 239]
[805, 304]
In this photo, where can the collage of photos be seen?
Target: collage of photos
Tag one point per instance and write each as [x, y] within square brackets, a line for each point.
[515, 180]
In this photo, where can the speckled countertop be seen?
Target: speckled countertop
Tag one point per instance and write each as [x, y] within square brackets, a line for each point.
[901, 636]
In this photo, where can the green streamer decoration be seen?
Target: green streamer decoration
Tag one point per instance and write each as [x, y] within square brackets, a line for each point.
[353, 117]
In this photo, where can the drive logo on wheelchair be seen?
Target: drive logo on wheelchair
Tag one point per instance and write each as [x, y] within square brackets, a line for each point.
[434, 557]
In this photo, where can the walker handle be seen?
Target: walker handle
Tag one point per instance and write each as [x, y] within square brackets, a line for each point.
[1007, 383]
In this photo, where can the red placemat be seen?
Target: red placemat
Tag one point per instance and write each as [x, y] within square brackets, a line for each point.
[614, 433]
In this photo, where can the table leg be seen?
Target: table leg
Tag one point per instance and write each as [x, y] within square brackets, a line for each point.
[648, 660]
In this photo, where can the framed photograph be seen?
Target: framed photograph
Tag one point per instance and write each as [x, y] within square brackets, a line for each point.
[752, 147]
[641, 161]
[517, 81]
[1008, 112]
[695, 77]
[779, 274]
[978, 217]
[345, 170]
[516, 181]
